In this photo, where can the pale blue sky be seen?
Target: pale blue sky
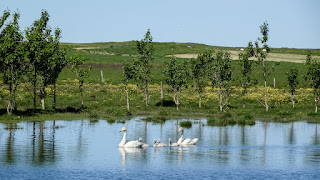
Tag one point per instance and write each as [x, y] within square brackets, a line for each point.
[292, 23]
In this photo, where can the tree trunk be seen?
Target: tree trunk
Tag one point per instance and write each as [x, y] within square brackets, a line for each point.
[220, 99]
[266, 96]
[146, 94]
[42, 92]
[265, 85]
[200, 94]
[177, 103]
[34, 87]
[244, 98]
[14, 99]
[9, 108]
[316, 99]
[292, 99]
[81, 93]
[54, 95]
[42, 103]
[161, 92]
[128, 108]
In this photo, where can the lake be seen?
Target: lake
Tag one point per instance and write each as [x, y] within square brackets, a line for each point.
[85, 149]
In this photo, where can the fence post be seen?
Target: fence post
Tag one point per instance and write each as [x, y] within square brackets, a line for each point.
[102, 77]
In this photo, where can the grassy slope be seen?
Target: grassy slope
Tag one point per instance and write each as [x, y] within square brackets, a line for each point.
[111, 65]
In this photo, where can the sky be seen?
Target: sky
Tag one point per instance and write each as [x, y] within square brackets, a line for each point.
[292, 23]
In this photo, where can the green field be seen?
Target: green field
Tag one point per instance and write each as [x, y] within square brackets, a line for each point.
[107, 100]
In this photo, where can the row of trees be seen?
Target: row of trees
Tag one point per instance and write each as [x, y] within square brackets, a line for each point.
[216, 67]
[34, 56]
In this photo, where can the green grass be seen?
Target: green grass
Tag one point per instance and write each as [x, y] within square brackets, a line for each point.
[107, 100]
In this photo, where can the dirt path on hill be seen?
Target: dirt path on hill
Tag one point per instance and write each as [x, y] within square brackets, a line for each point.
[271, 57]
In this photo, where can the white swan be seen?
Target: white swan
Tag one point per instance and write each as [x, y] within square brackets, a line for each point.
[186, 142]
[155, 143]
[129, 144]
[172, 144]
[160, 144]
[143, 144]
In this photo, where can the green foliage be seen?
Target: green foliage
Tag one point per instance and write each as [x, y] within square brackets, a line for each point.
[176, 75]
[261, 52]
[128, 73]
[142, 65]
[46, 58]
[246, 66]
[293, 82]
[313, 73]
[12, 60]
[166, 103]
[220, 72]
[313, 77]
[155, 119]
[186, 124]
[4, 17]
[199, 68]
[76, 63]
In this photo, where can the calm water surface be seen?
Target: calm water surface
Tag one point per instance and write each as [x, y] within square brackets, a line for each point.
[89, 150]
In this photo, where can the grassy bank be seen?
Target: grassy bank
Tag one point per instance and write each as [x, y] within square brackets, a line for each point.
[107, 100]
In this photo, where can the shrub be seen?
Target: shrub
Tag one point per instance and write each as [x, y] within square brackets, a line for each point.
[186, 124]
[166, 103]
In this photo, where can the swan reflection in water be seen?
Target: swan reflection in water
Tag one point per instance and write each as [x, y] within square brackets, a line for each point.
[130, 152]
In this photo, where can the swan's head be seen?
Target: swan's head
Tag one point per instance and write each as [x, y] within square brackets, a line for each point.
[169, 140]
[158, 140]
[140, 140]
[155, 141]
[123, 129]
[180, 129]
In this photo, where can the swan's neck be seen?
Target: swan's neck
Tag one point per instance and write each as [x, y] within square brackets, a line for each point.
[169, 142]
[123, 141]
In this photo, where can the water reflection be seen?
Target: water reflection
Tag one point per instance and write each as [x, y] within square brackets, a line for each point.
[9, 154]
[131, 152]
[43, 145]
[316, 136]
[85, 144]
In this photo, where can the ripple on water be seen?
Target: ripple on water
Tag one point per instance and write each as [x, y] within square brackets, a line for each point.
[83, 150]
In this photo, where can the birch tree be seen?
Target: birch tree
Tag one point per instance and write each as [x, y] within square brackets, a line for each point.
[261, 52]
[176, 75]
[12, 60]
[58, 62]
[246, 66]
[292, 77]
[128, 74]
[313, 77]
[46, 57]
[199, 68]
[142, 65]
[36, 43]
[76, 63]
[220, 76]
